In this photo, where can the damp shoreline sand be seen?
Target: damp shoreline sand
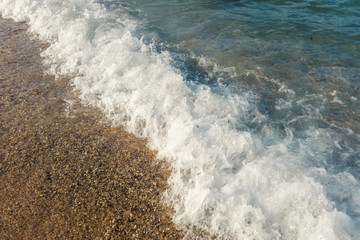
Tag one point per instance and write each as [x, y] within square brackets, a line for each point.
[64, 172]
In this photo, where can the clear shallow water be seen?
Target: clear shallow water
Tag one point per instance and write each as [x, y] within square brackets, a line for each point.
[254, 103]
[309, 47]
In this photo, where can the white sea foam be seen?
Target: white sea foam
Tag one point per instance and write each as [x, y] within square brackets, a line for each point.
[226, 180]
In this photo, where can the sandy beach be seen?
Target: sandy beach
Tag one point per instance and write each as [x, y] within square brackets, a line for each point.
[65, 173]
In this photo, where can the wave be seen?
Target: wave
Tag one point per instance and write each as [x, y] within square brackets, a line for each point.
[227, 179]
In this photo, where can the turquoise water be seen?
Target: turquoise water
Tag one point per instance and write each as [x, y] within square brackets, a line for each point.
[254, 104]
[311, 46]
[302, 58]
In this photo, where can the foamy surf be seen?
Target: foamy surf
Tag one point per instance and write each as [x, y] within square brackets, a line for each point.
[228, 179]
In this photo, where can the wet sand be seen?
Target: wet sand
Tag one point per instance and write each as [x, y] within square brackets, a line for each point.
[64, 172]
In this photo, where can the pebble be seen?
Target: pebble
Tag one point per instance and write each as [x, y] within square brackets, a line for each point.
[64, 172]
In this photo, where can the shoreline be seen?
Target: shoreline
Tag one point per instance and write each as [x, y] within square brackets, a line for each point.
[64, 172]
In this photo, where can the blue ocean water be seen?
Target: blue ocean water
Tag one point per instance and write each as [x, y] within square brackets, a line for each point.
[255, 104]
[310, 46]
[300, 57]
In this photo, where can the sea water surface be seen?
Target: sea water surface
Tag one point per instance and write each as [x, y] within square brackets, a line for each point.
[255, 104]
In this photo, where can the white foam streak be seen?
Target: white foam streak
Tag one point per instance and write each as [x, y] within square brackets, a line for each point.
[224, 180]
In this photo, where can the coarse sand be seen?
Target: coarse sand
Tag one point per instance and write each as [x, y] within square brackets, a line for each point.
[65, 173]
